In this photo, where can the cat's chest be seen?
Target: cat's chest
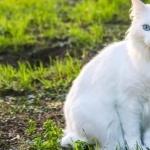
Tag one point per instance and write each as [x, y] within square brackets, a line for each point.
[144, 90]
[137, 87]
[141, 88]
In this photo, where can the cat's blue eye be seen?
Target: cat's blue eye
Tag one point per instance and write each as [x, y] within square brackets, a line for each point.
[146, 27]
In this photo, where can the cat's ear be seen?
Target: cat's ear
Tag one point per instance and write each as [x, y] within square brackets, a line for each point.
[138, 7]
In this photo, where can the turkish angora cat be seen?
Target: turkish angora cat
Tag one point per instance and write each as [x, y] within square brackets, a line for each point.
[110, 99]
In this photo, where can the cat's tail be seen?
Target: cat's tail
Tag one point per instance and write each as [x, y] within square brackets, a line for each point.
[70, 138]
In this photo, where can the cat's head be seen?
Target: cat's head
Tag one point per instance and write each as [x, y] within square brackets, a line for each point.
[140, 28]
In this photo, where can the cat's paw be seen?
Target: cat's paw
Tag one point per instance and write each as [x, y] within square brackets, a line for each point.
[146, 139]
[147, 143]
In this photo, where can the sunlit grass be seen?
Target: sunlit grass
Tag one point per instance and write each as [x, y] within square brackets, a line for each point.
[56, 77]
[30, 22]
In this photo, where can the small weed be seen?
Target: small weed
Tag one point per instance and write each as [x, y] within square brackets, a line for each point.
[32, 127]
[50, 138]
[80, 145]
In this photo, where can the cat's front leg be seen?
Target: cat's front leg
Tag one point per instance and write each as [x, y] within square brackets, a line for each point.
[129, 112]
[146, 138]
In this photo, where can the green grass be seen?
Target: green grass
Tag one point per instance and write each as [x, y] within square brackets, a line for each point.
[30, 22]
[56, 77]
[81, 23]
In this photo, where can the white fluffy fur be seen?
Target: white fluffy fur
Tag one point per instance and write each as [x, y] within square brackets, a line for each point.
[110, 99]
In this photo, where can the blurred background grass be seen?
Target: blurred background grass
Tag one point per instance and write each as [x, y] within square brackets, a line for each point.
[80, 22]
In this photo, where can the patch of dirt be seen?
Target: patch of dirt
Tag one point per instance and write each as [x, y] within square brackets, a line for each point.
[13, 126]
[32, 54]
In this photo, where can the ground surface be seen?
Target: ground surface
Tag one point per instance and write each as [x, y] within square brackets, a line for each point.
[18, 107]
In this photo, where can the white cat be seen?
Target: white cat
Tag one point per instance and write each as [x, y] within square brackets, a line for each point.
[110, 99]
